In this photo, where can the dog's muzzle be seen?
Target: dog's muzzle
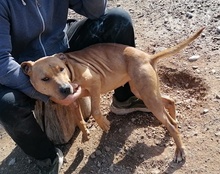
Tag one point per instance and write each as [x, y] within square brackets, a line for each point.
[66, 89]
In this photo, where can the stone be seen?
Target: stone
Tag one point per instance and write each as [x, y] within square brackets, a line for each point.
[193, 58]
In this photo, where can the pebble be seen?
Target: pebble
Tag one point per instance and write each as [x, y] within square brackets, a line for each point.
[194, 67]
[107, 149]
[217, 96]
[65, 160]
[217, 134]
[218, 29]
[99, 165]
[118, 4]
[198, 71]
[192, 10]
[193, 58]
[205, 111]
[12, 162]
[133, 120]
[98, 152]
[213, 71]
[189, 15]
[111, 168]
[92, 155]
[203, 35]
[155, 171]
[142, 156]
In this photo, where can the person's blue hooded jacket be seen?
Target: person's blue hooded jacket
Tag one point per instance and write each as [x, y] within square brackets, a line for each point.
[30, 29]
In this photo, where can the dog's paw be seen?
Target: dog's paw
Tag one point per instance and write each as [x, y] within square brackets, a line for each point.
[85, 136]
[179, 155]
[104, 124]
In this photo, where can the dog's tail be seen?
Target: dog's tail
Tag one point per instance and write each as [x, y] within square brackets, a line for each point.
[173, 50]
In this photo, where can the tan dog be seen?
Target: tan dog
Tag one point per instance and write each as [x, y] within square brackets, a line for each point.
[104, 67]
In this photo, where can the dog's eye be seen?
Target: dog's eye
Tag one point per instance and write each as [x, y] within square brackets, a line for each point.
[61, 69]
[45, 79]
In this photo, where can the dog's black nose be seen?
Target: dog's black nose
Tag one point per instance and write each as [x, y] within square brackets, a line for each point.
[65, 89]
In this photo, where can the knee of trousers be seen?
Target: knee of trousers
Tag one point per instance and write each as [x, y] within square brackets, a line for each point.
[14, 105]
[118, 15]
[118, 27]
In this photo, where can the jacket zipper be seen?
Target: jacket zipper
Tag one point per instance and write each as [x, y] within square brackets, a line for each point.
[23, 2]
[43, 23]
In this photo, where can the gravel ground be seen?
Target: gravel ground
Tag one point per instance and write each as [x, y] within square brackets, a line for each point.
[137, 143]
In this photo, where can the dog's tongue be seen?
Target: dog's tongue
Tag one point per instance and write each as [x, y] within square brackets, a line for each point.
[75, 95]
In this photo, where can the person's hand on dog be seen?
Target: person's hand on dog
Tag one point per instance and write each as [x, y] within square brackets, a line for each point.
[65, 102]
[71, 98]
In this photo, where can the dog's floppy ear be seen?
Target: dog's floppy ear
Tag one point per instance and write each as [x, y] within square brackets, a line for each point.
[62, 57]
[27, 67]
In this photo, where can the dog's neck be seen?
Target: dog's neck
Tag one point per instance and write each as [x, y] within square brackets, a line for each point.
[76, 70]
[70, 71]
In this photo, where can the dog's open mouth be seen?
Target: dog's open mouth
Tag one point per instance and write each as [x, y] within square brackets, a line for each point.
[76, 93]
[77, 89]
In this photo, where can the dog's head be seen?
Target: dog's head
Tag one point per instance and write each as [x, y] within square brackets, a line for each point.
[51, 76]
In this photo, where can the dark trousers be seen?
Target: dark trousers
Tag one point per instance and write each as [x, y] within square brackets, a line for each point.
[16, 108]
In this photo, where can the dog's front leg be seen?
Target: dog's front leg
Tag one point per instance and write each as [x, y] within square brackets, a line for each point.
[77, 113]
[101, 120]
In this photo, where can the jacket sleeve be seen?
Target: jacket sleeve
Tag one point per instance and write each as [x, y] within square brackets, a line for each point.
[91, 9]
[11, 74]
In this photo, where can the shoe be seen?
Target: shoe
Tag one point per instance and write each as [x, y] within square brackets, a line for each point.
[131, 105]
[48, 167]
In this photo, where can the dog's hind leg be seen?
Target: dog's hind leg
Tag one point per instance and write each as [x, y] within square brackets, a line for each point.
[169, 104]
[147, 84]
[155, 104]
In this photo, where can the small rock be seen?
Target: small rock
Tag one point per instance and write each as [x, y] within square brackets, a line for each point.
[171, 143]
[133, 120]
[98, 152]
[118, 4]
[218, 29]
[213, 71]
[217, 96]
[205, 111]
[193, 58]
[192, 10]
[157, 142]
[189, 15]
[142, 156]
[198, 71]
[99, 165]
[155, 171]
[12, 162]
[203, 35]
[107, 149]
[217, 134]
[92, 155]
[65, 160]
[140, 15]
[111, 168]
[194, 67]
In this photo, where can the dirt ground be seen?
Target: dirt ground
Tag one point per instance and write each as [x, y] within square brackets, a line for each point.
[137, 143]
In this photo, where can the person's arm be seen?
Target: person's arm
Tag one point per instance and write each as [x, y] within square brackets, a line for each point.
[91, 9]
[11, 74]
